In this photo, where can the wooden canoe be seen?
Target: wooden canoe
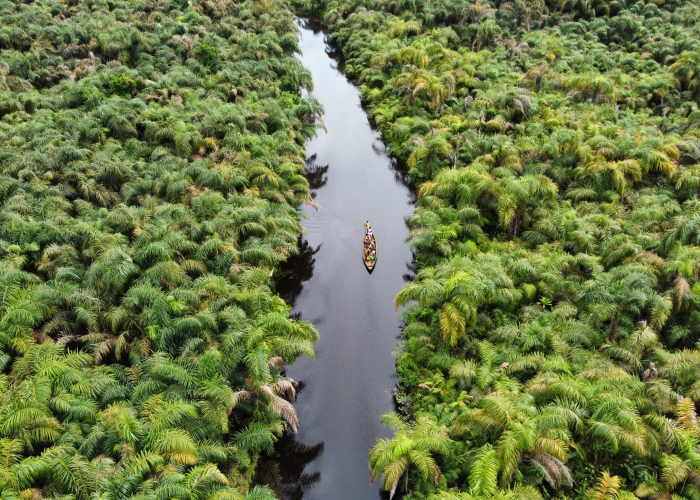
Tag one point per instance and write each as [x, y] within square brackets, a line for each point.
[369, 263]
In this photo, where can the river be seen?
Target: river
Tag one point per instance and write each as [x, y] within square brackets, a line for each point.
[349, 385]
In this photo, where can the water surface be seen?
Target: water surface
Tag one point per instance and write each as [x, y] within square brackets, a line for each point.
[349, 385]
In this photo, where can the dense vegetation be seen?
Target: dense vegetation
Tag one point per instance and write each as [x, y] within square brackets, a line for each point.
[550, 347]
[152, 161]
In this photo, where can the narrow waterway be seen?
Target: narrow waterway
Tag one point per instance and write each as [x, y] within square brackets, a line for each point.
[349, 385]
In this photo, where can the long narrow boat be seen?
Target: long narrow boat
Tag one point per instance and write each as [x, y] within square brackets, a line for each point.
[370, 262]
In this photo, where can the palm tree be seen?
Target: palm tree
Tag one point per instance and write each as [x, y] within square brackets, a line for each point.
[677, 473]
[514, 194]
[686, 69]
[622, 295]
[594, 86]
[425, 158]
[413, 444]
[689, 179]
[484, 33]
[430, 234]
[484, 378]
[540, 437]
[483, 477]
[523, 12]
[477, 12]
[620, 173]
[608, 488]
[684, 225]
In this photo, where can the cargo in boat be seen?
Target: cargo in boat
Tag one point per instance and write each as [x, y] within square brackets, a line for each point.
[369, 251]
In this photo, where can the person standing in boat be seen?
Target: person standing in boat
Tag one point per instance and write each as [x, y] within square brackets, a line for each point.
[368, 229]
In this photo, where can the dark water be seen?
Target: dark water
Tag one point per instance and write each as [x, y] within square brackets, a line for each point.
[349, 385]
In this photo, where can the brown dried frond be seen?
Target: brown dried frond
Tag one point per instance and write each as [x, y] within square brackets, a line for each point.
[681, 288]
[285, 387]
[553, 469]
[238, 396]
[238, 267]
[284, 409]
[650, 373]
[188, 41]
[275, 362]
[310, 203]
[650, 257]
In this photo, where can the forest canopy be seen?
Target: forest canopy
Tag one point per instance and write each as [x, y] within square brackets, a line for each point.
[152, 163]
[550, 347]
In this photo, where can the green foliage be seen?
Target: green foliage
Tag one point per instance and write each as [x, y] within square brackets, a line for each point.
[121, 85]
[407, 377]
[149, 183]
[413, 446]
[206, 53]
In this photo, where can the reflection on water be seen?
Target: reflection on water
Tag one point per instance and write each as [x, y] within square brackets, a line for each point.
[316, 175]
[291, 275]
[284, 470]
[330, 48]
[411, 274]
